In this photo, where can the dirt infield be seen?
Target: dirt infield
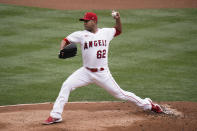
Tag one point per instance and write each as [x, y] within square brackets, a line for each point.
[104, 4]
[103, 116]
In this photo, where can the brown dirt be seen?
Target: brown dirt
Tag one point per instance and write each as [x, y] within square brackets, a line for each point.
[104, 4]
[110, 116]
[102, 116]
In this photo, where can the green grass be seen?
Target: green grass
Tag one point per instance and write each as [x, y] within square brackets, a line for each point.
[156, 56]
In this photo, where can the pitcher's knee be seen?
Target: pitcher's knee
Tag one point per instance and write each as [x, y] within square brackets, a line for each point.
[68, 86]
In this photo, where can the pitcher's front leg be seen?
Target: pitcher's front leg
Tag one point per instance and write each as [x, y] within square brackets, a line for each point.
[77, 79]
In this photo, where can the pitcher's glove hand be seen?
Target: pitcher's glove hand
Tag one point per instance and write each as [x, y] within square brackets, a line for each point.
[68, 51]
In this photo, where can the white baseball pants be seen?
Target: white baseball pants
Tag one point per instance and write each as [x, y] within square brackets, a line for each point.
[104, 79]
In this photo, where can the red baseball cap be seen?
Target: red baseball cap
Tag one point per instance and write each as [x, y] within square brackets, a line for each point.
[89, 16]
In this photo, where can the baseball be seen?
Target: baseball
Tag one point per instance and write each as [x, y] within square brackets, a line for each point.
[114, 13]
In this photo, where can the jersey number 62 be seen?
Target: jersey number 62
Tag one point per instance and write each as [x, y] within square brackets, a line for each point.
[101, 54]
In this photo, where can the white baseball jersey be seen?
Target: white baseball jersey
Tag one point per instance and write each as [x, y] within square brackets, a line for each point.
[94, 46]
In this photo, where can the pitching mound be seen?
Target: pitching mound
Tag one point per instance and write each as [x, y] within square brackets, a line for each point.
[103, 116]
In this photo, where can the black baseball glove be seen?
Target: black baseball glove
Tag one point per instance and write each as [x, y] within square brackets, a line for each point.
[68, 51]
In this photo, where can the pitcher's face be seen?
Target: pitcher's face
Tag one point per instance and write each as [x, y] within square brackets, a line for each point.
[89, 25]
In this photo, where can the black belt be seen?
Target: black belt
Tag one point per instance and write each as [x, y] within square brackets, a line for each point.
[95, 69]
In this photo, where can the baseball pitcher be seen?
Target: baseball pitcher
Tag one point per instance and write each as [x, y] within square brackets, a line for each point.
[94, 43]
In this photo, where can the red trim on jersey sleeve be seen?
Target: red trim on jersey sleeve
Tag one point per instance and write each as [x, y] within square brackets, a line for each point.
[117, 32]
[66, 40]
